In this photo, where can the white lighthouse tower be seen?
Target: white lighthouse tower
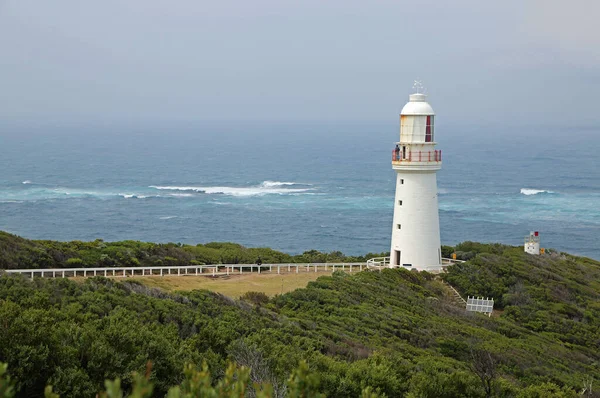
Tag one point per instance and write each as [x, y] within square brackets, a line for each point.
[416, 227]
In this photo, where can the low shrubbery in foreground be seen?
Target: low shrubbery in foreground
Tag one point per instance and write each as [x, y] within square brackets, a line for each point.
[392, 333]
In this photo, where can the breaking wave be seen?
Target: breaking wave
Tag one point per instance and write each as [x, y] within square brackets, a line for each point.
[136, 196]
[98, 194]
[58, 193]
[265, 188]
[530, 191]
[75, 192]
[272, 184]
[30, 191]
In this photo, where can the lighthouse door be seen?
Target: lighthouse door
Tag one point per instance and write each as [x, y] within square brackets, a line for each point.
[397, 257]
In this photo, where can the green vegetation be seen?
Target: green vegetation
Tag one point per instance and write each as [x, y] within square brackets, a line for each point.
[391, 333]
[236, 383]
[20, 253]
[555, 295]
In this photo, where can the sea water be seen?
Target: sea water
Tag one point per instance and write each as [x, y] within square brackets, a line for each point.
[295, 186]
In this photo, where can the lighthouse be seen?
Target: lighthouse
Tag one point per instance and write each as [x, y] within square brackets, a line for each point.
[416, 224]
[532, 243]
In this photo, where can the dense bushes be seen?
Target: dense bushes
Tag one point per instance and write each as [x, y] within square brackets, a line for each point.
[392, 333]
[237, 382]
[554, 294]
[16, 252]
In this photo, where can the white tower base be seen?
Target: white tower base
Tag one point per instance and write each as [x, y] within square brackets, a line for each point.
[416, 229]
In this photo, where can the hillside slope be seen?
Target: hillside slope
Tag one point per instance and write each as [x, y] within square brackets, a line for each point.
[396, 331]
[17, 252]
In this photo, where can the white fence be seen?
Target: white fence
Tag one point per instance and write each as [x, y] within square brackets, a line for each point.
[202, 270]
[480, 304]
[384, 262]
[378, 262]
[208, 270]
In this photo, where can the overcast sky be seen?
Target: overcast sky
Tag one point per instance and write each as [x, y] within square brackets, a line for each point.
[145, 61]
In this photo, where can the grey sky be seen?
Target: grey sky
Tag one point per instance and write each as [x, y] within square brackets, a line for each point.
[142, 61]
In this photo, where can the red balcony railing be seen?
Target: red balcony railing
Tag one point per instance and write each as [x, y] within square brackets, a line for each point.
[416, 156]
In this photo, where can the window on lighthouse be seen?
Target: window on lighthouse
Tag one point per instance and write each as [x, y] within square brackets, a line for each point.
[429, 129]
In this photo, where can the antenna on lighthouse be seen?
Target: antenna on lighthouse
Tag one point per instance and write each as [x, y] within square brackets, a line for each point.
[418, 87]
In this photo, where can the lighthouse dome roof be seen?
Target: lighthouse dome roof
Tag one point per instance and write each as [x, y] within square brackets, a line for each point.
[417, 105]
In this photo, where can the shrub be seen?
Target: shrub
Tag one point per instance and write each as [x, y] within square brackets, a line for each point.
[258, 298]
[74, 262]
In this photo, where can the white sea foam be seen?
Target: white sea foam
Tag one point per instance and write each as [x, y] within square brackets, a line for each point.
[531, 191]
[76, 192]
[135, 196]
[26, 182]
[52, 193]
[98, 194]
[272, 184]
[166, 217]
[266, 188]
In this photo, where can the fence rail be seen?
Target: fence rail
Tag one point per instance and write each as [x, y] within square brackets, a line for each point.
[203, 270]
[208, 270]
[384, 262]
[416, 156]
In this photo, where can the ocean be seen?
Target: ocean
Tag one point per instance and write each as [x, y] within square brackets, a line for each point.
[295, 186]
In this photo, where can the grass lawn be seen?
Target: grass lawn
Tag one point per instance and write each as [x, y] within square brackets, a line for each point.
[234, 285]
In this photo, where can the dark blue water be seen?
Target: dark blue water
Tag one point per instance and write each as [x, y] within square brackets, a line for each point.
[294, 187]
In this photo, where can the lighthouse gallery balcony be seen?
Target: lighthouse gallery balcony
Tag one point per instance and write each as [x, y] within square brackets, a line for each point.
[400, 157]
[416, 160]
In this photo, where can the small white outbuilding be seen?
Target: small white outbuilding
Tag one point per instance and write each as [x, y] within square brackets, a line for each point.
[532, 243]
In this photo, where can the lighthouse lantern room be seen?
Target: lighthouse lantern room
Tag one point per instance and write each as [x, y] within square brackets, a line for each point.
[416, 226]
